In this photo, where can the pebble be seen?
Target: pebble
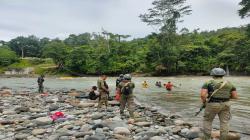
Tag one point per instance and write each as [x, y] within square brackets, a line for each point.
[99, 130]
[121, 131]
[176, 129]
[157, 138]
[97, 116]
[43, 121]
[179, 122]
[143, 123]
[184, 131]
[21, 136]
[38, 131]
[96, 137]
[53, 107]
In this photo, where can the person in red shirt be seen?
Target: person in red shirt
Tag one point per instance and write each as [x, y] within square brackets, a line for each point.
[168, 86]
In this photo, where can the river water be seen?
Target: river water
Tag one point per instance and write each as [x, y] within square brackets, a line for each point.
[184, 99]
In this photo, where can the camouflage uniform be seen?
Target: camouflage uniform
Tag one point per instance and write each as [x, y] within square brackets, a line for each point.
[118, 80]
[40, 81]
[218, 104]
[127, 99]
[103, 93]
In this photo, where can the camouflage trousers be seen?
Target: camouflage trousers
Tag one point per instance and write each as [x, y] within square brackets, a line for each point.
[40, 88]
[129, 100]
[223, 111]
[103, 99]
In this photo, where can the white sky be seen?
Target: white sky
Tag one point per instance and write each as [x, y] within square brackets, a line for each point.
[59, 18]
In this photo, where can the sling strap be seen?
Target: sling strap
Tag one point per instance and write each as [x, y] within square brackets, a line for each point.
[221, 86]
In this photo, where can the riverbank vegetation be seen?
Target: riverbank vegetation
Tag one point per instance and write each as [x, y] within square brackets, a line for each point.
[168, 52]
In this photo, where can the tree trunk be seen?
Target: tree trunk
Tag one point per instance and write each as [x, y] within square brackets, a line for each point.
[22, 52]
[176, 66]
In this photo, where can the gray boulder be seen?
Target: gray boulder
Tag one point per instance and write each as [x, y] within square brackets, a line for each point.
[53, 107]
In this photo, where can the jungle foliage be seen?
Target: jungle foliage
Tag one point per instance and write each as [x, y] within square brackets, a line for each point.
[170, 51]
[193, 53]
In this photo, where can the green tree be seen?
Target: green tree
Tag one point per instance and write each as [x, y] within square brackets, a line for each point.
[58, 51]
[165, 15]
[26, 46]
[195, 58]
[79, 59]
[7, 56]
[78, 40]
[245, 10]
[2, 43]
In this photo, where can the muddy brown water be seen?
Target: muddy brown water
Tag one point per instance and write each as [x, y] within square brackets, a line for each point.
[184, 99]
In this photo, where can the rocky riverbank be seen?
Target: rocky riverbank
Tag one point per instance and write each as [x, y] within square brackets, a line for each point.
[29, 116]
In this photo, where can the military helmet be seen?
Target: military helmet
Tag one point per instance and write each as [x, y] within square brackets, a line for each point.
[127, 77]
[121, 75]
[217, 72]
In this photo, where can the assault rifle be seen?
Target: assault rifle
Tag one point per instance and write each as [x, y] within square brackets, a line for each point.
[201, 108]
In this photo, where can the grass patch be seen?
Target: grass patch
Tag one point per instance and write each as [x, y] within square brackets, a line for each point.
[23, 63]
[46, 67]
[2, 69]
[41, 66]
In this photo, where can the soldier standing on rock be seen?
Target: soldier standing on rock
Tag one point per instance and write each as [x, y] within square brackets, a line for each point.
[103, 91]
[217, 93]
[126, 89]
[40, 81]
[117, 92]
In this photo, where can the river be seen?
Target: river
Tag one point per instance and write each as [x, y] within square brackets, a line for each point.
[184, 100]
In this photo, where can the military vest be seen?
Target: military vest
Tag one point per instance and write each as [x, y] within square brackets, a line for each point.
[40, 80]
[100, 82]
[131, 86]
[223, 93]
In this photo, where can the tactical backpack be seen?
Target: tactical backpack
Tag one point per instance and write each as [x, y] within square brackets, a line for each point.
[126, 89]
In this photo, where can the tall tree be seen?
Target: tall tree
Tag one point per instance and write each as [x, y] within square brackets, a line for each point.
[79, 59]
[165, 15]
[245, 10]
[58, 51]
[2, 43]
[78, 40]
[7, 56]
[26, 46]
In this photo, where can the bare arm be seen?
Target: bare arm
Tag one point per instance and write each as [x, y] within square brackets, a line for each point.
[234, 95]
[118, 90]
[203, 95]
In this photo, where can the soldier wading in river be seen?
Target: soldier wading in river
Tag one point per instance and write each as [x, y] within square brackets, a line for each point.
[40, 81]
[216, 93]
[126, 89]
[103, 91]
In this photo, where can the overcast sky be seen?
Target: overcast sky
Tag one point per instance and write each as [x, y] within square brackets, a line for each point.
[59, 18]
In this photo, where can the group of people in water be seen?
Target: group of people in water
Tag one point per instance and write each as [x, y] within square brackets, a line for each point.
[169, 85]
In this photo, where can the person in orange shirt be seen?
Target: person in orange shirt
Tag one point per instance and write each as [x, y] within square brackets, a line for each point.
[169, 86]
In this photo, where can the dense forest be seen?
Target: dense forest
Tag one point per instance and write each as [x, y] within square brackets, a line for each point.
[169, 52]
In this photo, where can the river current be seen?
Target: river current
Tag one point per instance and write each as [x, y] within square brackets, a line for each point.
[184, 99]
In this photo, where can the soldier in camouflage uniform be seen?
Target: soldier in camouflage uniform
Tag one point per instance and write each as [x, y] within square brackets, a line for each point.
[218, 104]
[103, 91]
[40, 81]
[126, 89]
[118, 80]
